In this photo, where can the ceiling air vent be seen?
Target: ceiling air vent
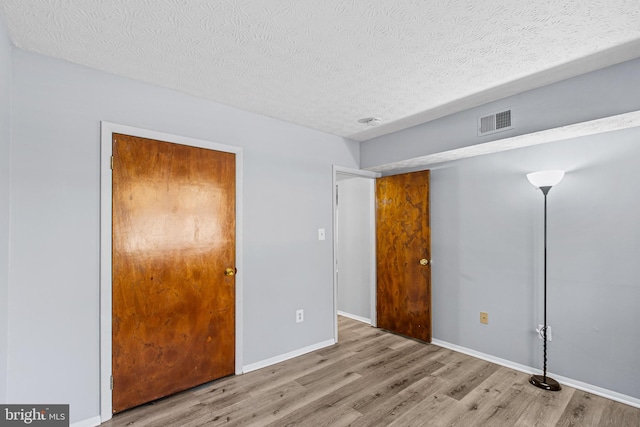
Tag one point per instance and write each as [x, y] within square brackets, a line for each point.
[494, 123]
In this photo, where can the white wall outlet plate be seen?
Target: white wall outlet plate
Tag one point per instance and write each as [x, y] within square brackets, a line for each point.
[540, 332]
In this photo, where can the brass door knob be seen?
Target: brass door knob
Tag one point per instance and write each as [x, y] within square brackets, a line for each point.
[230, 272]
[424, 261]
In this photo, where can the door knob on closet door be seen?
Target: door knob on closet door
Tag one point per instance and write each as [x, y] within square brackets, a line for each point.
[424, 261]
[230, 272]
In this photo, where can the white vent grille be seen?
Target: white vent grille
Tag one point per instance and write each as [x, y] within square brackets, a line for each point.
[493, 123]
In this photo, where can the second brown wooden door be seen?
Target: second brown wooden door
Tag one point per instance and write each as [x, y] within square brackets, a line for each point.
[173, 239]
[403, 255]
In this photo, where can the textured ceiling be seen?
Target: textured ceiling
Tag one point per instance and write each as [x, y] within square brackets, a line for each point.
[325, 64]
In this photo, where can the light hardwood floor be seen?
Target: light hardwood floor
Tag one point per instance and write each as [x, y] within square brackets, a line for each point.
[375, 378]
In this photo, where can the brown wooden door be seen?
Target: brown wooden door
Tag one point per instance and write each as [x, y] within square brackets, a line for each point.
[173, 238]
[403, 301]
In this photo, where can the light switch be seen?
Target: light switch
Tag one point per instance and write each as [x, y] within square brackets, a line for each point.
[320, 233]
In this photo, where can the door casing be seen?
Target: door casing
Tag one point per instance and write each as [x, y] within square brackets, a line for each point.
[107, 130]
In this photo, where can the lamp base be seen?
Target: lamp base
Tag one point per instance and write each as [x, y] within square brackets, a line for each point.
[545, 383]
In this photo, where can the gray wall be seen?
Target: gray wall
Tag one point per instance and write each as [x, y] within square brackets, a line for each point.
[487, 250]
[5, 142]
[594, 95]
[355, 240]
[54, 311]
[486, 225]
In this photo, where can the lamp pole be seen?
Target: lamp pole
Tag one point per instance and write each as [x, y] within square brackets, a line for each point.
[544, 181]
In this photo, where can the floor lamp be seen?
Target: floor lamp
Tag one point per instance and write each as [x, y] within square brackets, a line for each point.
[544, 180]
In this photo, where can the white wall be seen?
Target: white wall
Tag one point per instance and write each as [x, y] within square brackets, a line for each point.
[355, 240]
[487, 249]
[54, 312]
[5, 151]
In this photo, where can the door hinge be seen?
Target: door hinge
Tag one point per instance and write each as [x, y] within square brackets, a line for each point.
[111, 162]
[111, 382]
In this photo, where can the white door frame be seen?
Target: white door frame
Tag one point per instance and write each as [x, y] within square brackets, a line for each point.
[107, 129]
[357, 173]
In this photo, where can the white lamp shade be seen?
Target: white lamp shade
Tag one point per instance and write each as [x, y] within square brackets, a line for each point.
[545, 178]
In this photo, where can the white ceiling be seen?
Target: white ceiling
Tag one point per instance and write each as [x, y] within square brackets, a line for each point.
[325, 64]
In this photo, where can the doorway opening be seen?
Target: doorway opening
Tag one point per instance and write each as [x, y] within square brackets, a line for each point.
[354, 253]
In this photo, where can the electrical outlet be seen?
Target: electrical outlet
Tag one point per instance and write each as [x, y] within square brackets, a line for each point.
[299, 316]
[540, 331]
[484, 317]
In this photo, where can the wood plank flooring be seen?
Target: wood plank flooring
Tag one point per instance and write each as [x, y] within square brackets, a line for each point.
[375, 378]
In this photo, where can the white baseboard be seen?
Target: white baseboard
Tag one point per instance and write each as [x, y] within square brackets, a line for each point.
[589, 388]
[489, 358]
[281, 358]
[89, 422]
[354, 317]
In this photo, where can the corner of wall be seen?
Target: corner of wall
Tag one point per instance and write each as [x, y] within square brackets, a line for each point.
[5, 176]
